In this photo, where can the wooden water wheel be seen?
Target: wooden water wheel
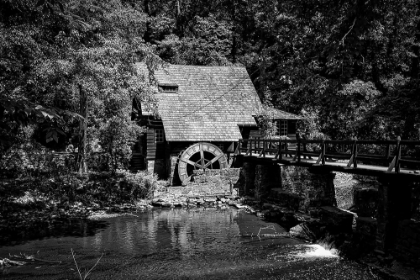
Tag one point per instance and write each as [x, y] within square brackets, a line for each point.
[200, 156]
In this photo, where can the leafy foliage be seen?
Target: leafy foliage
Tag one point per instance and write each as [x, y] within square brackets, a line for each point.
[68, 54]
[351, 68]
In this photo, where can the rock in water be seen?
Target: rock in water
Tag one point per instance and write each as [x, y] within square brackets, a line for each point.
[303, 231]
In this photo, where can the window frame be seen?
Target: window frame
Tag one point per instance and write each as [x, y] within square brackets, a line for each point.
[168, 88]
[282, 127]
[159, 135]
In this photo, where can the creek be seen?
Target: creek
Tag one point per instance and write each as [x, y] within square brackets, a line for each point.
[198, 243]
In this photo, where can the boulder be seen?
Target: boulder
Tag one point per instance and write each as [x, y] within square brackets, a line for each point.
[232, 203]
[367, 227]
[302, 217]
[335, 219]
[210, 199]
[156, 202]
[302, 231]
[240, 206]
[167, 204]
[178, 203]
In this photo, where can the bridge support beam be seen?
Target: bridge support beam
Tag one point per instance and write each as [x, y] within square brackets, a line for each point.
[394, 205]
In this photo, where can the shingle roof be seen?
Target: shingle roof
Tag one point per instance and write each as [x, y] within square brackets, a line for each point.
[210, 104]
[275, 114]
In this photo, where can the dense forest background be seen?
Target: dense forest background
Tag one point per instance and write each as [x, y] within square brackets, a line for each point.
[350, 67]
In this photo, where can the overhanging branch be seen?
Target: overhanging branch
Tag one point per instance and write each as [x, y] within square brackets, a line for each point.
[348, 32]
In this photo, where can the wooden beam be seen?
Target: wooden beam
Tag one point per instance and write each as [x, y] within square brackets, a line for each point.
[350, 161]
[191, 163]
[201, 155]
[398, 155]
[213, 160]
[319, 158]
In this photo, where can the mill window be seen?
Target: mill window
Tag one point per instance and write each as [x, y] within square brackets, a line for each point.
[281, 127]
[159, 135]
[168, 88]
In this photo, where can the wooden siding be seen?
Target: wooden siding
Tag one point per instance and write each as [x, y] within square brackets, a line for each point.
[151, 144]
[154, 150]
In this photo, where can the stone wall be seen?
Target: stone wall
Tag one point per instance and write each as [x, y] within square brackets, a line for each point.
[266, 178]
[246, 182]
[257, 180]
[157, 166]
[217, 180]
[365, 201]
[315, 187]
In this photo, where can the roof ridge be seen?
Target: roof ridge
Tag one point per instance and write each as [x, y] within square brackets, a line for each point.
[207, 66]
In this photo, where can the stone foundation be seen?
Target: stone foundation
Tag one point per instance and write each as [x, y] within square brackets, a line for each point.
[157, 166]
[315, 187]
[365, 201]
[266, 178]
[246, 183]
[212, 187]
[215, 178]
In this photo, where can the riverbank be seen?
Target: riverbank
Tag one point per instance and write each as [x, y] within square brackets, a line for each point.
[29, 218]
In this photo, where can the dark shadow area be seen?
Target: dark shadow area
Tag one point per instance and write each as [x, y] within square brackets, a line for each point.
[42, 228]
[176, 181]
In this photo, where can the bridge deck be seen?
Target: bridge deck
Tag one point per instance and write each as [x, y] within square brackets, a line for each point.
[262, 151]
[335, 164]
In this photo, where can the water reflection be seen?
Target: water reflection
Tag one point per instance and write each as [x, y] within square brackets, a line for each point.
[186, 231]
[183, 244]
[56, 229]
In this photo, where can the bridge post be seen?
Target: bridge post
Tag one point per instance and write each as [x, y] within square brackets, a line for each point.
[394, 205]
[298, 147]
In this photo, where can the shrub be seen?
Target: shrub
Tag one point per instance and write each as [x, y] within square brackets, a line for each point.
[138, 185]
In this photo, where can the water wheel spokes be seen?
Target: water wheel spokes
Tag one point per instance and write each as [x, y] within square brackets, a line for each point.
[200, 156]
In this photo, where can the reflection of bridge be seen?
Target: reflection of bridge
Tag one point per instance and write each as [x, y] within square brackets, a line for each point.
[351, 156]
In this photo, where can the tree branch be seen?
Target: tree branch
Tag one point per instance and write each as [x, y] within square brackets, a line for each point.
[348, 32]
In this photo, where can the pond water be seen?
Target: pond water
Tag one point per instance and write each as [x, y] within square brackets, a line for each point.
[180, 244]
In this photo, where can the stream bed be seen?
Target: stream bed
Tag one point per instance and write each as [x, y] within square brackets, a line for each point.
[199, 243]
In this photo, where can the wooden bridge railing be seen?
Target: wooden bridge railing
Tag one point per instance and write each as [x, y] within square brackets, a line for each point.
[385, 152]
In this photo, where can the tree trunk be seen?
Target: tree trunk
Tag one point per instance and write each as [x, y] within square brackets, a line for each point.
[179, 20]
[234, 31]
[416, 51]
[411, 113]
[148, 32]
[81, 156]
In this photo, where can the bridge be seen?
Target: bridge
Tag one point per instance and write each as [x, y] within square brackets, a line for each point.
[364, 157]
[299, 175]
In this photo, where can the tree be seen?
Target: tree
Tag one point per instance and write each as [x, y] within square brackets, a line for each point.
[81, 58]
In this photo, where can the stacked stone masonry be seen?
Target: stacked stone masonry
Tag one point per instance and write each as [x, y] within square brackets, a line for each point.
[315, 188]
